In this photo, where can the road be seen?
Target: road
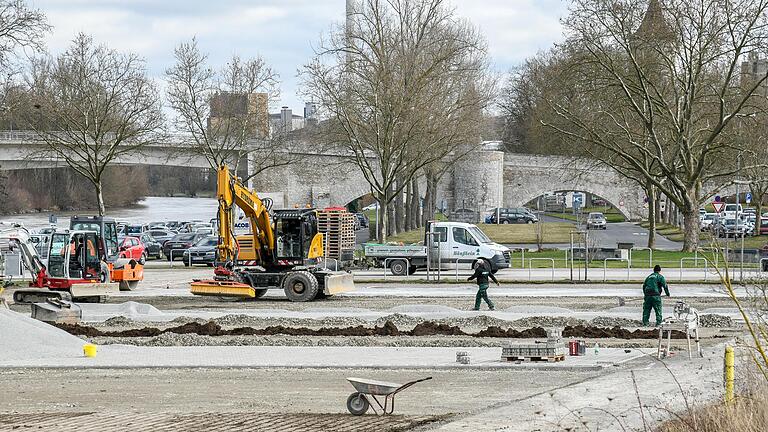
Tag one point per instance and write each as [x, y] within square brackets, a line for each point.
[624, 232]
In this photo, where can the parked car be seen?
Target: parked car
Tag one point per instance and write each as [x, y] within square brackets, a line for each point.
[203, 252]
[131, 247]
[362, 220]
[764, 226]
[205, 231]
[161, 235]
[179, 243]
[730, 227]
[513, 216]
[129, 230]
[152, 247]
[596, 220]
[173, 225]
[708, 221]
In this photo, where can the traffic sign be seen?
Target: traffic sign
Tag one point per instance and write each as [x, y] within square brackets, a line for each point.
[718, 199]
[748, 197]
[718, 206]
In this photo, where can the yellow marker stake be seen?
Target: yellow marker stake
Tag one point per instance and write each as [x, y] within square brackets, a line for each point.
[729, 363]
[89, 350]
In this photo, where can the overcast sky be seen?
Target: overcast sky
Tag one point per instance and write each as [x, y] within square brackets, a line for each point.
[282, 31]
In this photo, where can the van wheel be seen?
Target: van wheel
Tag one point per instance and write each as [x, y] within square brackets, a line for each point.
[398, 267]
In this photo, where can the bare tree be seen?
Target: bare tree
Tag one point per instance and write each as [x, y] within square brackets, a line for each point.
[660, 84]
[92, 107]
[399, 88]
[21, 29]
[224, 113]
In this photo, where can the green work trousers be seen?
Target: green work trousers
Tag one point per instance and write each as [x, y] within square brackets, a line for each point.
[652, 302]
[482, 294]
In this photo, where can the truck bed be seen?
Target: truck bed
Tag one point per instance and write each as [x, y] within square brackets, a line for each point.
[387, 251]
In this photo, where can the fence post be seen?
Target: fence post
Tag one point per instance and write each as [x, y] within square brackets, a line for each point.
[729, 374]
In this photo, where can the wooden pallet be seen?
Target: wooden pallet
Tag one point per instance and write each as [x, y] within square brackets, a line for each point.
[557, 358]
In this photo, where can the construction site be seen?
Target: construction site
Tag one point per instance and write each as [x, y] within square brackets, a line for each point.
[551, 356]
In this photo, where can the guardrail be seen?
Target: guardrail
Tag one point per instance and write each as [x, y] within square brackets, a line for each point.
[407, 265]
[605, 267]
[531, 260]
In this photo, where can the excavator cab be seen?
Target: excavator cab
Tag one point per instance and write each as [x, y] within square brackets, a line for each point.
[294, 232]
[74, 256]
[105, 228]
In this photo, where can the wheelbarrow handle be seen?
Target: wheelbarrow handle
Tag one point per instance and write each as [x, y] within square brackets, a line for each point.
[406, 385]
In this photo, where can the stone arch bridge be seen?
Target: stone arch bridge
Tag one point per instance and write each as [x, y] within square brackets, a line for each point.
[485, 180]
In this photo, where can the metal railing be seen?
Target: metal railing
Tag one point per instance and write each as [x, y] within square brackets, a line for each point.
[522, 258]
[605, 267]
[695, 260]
[407, 265]
[530, 265]
[650, 255]
[170, 255]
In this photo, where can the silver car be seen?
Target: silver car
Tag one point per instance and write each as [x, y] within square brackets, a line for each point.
[596, 220]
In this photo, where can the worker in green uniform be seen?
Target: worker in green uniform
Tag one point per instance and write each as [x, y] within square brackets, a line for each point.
[652, 288]
[482, 273]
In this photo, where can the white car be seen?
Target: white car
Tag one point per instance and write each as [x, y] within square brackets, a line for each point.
[708, 220]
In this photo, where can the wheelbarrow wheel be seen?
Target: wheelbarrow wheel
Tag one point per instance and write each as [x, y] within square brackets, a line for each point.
[357, 404]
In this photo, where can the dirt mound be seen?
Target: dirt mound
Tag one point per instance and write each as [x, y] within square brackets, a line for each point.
[615, 332]
[427, 328]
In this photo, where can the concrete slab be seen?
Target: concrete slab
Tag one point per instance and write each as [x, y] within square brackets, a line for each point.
[124, 356]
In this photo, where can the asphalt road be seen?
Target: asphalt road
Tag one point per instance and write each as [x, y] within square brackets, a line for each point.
[624, 232]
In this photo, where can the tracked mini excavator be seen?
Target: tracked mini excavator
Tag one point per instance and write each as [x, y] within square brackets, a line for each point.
[284, 250]
[83, 262]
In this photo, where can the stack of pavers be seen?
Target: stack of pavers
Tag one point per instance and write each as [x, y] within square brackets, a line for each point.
[553, 350]
[338, 228]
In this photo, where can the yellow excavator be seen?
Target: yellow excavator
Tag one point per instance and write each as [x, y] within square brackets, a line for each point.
[284, 250]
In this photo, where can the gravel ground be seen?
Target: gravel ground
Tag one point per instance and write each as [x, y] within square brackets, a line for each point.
[287, 391]
[173, 339]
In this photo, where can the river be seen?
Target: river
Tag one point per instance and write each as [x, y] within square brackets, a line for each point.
[150, 209]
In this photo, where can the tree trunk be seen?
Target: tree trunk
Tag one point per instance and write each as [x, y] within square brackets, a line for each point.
[381, 217]
[650, 193]
[415, 204]
[428, 213]
[657, 205]
[408, 206]
[99, 197]
[690, 227]
[399, 211]
[391, 228]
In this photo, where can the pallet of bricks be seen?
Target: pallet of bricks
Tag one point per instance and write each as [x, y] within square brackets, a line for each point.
[553, 350]
[338, 228]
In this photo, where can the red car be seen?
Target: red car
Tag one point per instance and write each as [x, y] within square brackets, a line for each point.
[131, 247]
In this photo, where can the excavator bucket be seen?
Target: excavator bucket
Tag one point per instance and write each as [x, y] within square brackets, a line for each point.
[222, 289]
[339, 283]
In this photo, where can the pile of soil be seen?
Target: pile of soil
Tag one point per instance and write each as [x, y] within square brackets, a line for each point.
[427, 328]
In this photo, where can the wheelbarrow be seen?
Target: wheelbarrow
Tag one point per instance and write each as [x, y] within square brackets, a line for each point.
[359, 401]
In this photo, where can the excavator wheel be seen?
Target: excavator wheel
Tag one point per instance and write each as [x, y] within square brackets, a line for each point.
[300, 286]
